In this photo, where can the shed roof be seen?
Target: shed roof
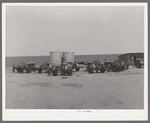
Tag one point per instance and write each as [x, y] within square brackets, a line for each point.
[129, 54]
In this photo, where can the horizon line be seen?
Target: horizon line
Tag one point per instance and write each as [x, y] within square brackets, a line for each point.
[75, 55]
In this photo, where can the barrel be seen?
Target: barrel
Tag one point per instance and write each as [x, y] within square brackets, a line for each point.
[68, 57]
[55, 57]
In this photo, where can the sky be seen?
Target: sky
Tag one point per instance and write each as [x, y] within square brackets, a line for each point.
[84, 30]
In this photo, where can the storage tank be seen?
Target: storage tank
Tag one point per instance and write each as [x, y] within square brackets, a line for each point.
[55, 57]
[68, 57]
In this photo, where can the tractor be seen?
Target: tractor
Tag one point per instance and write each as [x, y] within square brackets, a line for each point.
[49, 69]
[95, 66]
[117, 67]
[74, 65]
[108, 65]
[45, 66]
[30, 67]
[15, 68]
[66, 69]
[55, 70]
[139, 63]
[19, 68]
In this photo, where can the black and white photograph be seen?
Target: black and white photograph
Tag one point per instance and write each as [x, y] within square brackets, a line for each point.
[75, 61]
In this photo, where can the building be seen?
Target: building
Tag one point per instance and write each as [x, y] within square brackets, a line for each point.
[130, 57]
[10, 61]
[101, 57]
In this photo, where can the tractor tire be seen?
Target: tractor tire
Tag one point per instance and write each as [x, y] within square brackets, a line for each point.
[13, 69]
[96, 69]
[49, 73]
[114, 68]
[55, 73]
[102, 69]
[138, 66]
[21, 70]
[71, 72]
[118, 69]
[68, 73]
[63, 73]
[90, 70]
[40, 70]
[28, 70]
[77, 68]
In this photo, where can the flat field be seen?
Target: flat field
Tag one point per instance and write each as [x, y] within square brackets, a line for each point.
[110, 90]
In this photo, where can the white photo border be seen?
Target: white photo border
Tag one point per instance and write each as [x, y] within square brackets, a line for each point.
[73, 115]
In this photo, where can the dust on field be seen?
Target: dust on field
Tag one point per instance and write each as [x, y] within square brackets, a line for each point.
[110, 90]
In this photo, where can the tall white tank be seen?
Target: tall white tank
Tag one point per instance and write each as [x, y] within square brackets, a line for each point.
[55, 57]
[68, 56]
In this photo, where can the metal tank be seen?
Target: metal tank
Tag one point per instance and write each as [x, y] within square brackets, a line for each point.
[68, 57]
[55, 57]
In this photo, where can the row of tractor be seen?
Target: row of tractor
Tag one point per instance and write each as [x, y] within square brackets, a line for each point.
[68, 67]
[114, 66]
[28, 68]
[47, 67]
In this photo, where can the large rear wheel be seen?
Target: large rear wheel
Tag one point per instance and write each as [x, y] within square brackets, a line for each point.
[77, 68]
[49, 73]
[55, 73]
[114, 68]
[96, 69]
[40, 70]
[90, 70]
[102, 70]
[68, 73]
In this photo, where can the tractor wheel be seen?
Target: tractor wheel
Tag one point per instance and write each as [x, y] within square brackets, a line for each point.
[78, 68]
[18, 70]
[68, 73]
[90, 70]
[28, 70]
[114, 68]
[49, 73]
[138, 66]
[102, 69]
[13, 69]
[54, 73]
[40, 71]
[63, 73]
[96, 69]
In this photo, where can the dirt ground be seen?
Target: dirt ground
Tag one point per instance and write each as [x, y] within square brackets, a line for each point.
[110, 90]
